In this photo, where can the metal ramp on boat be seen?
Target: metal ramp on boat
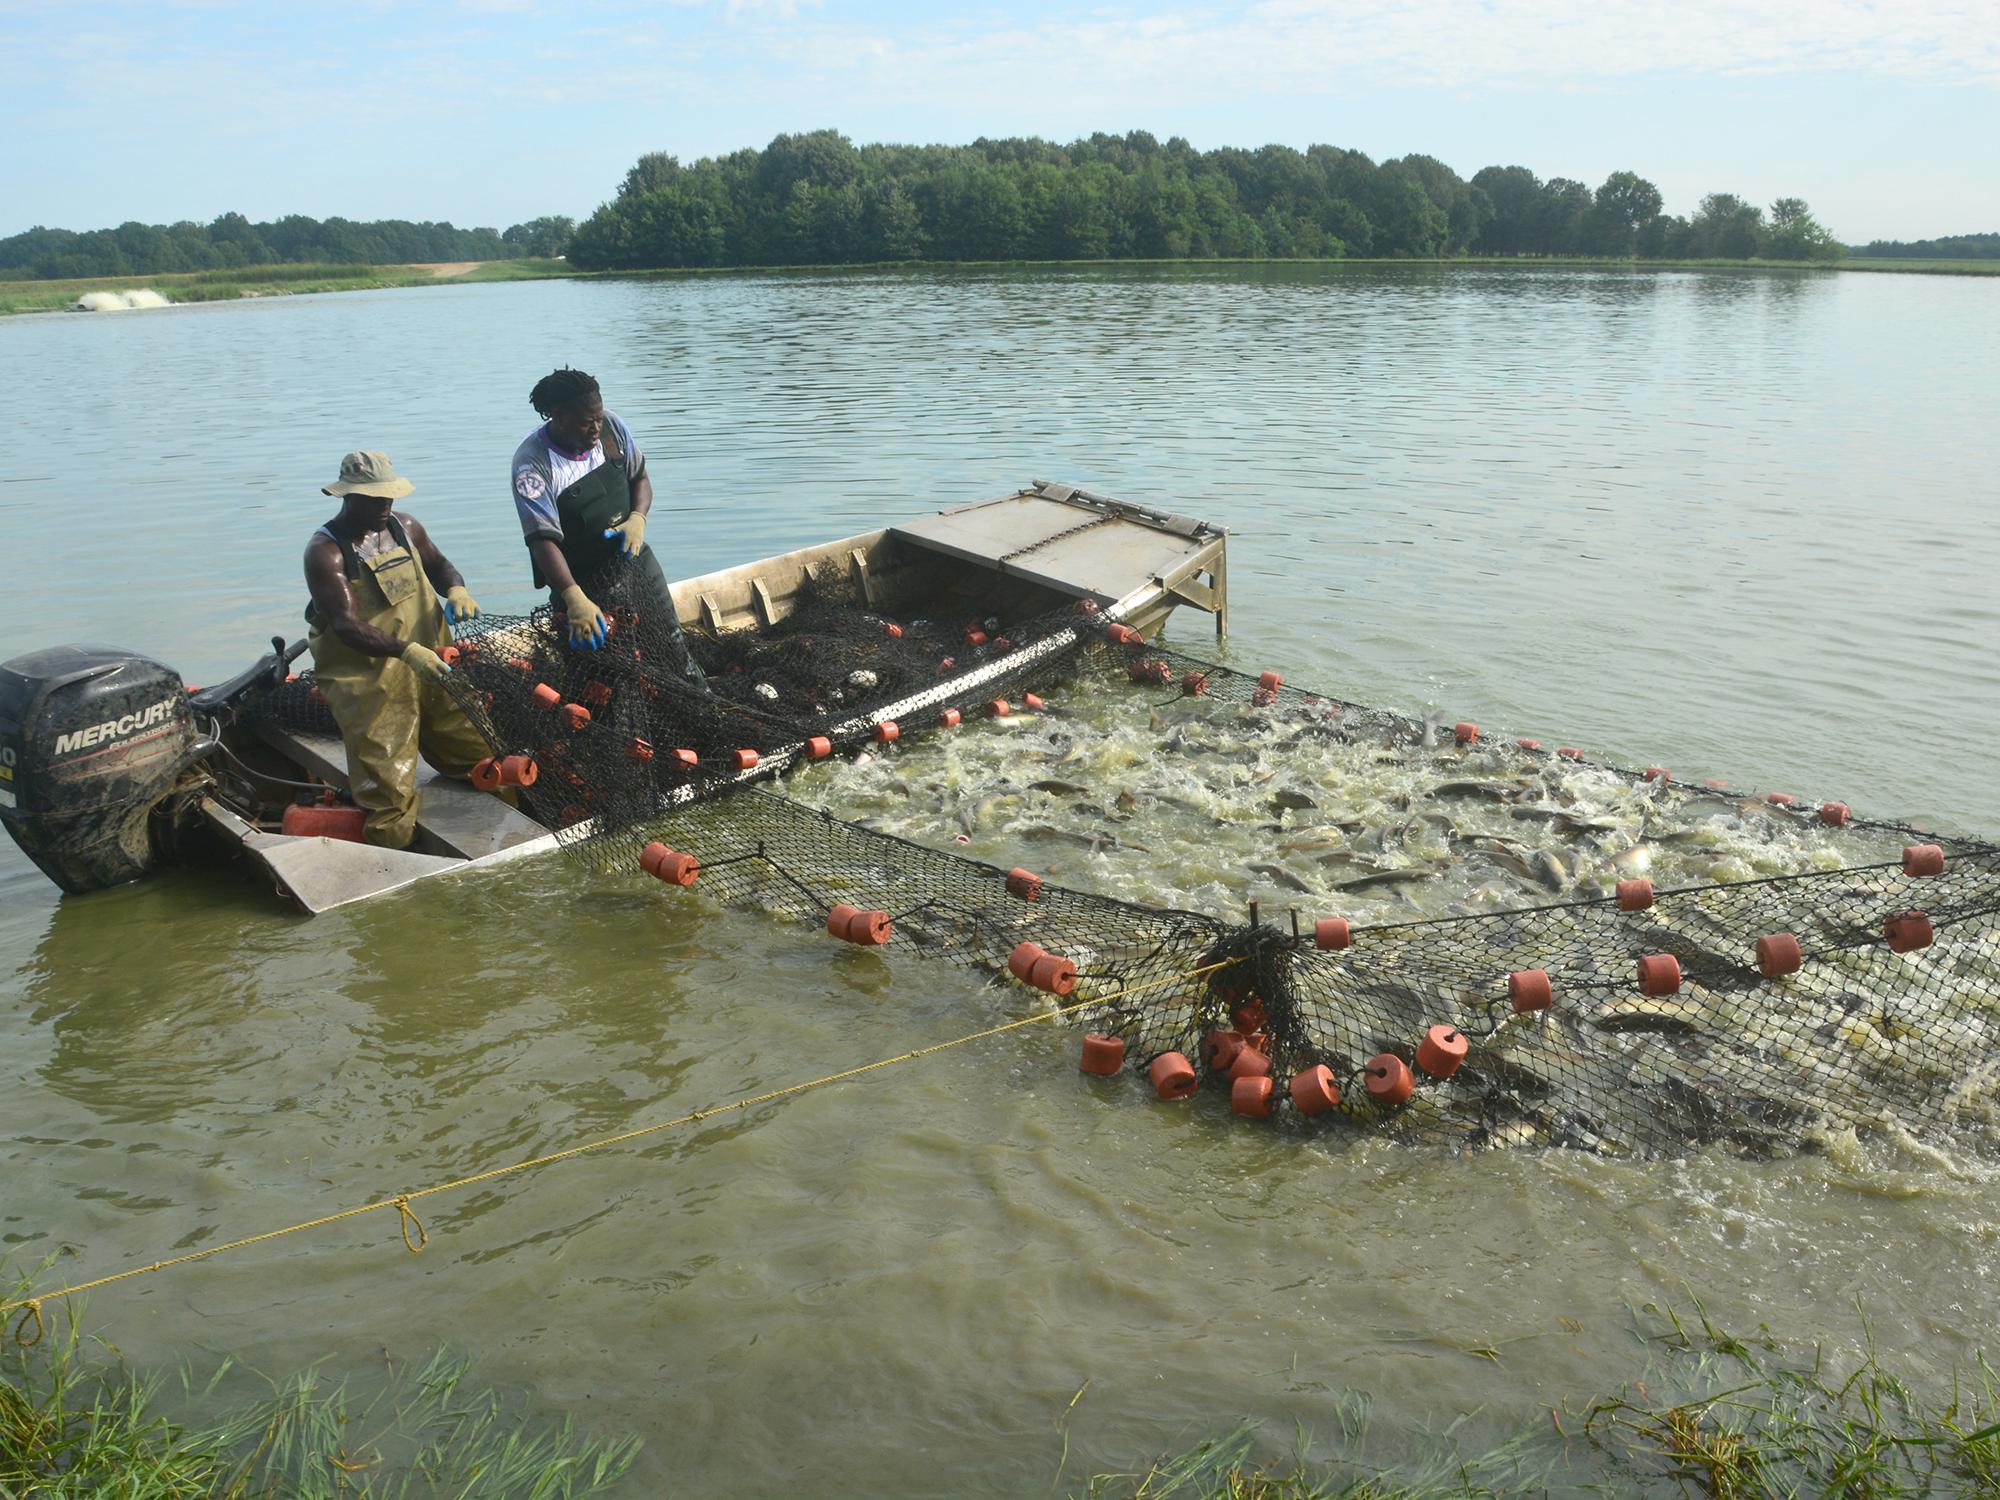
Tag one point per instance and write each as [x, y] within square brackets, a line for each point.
[1087, 546]
[457, 828]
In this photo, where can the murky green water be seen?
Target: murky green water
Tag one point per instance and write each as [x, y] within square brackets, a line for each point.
[1743, 525]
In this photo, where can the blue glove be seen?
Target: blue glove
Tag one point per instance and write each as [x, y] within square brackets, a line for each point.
[587, 625]
[459, 605]
[631, 534]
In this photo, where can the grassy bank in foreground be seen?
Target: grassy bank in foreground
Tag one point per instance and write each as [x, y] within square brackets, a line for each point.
[271, 281]
[1709, 1414]
[1706, 1414]
[71, 1425]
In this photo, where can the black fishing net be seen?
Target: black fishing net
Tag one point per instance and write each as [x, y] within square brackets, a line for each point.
[1761, 1014]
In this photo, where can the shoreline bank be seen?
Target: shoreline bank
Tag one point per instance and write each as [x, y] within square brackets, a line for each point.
[282, 281]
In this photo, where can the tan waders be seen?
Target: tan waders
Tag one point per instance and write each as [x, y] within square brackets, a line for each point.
[386, 713]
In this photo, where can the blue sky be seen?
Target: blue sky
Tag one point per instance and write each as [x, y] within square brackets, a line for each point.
[1884, 117]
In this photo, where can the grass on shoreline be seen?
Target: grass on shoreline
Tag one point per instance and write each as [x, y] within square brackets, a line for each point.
[234, 283]
[75, 1421]
[272, 281]
[1710, 1415]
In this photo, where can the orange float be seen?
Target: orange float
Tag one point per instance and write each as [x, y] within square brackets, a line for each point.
[1172, 1076]
[325, 821]
[888, 732]
[744, 760]
[819, 747]
[1908, 931]
[1249, 1017]
[1528, 744]
[638, 749]
[1659, 974]
[1033, 702]
[1657, 773]
[1780, 799]
[1053, 974]
[1569, 752]
[1778, 955]
[669, 865]
[1219, 1049]
[1834, 814]
[1530, 989]
[948, 719]
[1251, 1095]
[974, 636]
[1270, 682]
[1442, 1050]
[1314, 1091]
[1332, 932]
[1263, 698]
[520, 664]
[1389, 1080]
[575, 715]
[1102, 1055]
[687, 760]
[486, 775]
[1249, 1063]
[547, 697]
[596, 694]
[1194, 684]
[1024, 883]
[867, 928]
[1123, 635]
[892, 630]
[1465, 733]
[519, 770]
[999, 708]
[1021, 962]
[1923, 859]
[450, 655]
[1635, 895]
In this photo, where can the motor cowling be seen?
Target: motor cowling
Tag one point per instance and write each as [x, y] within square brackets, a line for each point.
[91, 740]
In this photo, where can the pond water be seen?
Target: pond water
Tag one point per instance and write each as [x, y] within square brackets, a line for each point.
[1742, 524]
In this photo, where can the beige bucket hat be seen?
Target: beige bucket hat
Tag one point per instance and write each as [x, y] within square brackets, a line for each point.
[369, 473]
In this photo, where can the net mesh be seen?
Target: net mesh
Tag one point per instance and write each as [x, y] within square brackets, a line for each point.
[1760, 1014]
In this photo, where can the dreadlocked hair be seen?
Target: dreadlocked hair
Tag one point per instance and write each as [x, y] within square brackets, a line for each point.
[561, 388]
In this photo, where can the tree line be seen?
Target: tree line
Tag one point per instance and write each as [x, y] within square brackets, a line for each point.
[230, 241]
[818, 199]
[1950, 247]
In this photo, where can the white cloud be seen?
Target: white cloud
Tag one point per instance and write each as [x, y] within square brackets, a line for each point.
[1316, 46]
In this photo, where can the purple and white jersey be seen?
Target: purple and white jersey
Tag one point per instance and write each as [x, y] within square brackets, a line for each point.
[542, 471]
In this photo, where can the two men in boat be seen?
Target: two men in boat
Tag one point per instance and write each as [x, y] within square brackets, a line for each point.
[384, 599]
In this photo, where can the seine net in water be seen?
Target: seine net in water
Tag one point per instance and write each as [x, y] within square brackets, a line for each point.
[1621, 1019]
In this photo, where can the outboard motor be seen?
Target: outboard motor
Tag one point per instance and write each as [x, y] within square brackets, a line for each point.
[91, 741]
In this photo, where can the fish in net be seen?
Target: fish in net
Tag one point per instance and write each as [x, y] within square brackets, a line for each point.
[1758, 1014]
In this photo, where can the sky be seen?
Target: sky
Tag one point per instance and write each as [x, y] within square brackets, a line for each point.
[1884, 116]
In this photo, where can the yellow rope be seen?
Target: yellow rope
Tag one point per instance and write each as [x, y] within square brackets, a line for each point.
[408, 1219]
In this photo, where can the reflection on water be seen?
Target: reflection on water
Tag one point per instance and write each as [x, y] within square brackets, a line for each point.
[1738, 524]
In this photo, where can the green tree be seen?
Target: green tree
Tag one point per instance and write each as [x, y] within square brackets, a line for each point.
[1796, 235]
[546, 236]
[1725, 227]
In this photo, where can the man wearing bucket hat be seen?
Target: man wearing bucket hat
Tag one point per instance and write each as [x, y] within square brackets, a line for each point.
[383, 603]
